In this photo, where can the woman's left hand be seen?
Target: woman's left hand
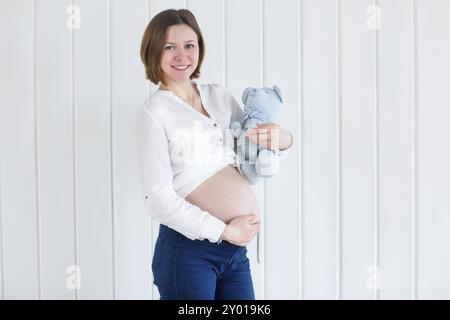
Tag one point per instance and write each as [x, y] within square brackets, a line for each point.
[270, 136]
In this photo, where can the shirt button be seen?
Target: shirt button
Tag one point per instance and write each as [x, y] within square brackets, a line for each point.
[220, 139]
[215, 124]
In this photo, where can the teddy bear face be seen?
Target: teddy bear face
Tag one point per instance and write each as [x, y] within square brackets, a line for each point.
[262, 99]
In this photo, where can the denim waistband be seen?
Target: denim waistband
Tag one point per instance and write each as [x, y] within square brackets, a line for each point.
[173, 236]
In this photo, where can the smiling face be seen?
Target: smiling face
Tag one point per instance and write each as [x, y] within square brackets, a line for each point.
[180, 54]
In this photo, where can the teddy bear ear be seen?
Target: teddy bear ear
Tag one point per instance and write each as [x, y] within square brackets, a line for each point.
[246, 94]
[278, 92]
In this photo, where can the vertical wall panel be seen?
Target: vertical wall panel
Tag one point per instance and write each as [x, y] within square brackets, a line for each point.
[320, 134]
[129, 88]
[373, 106]
[358, 152]
[92, 151]
[244, 69]
[395, 48]
[18, 163]
[433, 52]
[211, 18]
[281, 65]
[55, 149]
[2, 276]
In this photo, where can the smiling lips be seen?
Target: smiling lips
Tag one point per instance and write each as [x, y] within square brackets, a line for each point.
[182, 67]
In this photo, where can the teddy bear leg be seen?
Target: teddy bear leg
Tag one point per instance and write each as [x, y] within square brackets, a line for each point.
[235, 129]
[267, 163]
[250, 124]
[249, 172]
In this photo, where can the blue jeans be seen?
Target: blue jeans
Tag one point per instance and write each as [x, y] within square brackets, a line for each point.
[200, 270]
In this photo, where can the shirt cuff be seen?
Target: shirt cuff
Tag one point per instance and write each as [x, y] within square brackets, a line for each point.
[213, 230]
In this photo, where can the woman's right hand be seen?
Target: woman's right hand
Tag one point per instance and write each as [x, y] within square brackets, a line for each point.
[241, 230]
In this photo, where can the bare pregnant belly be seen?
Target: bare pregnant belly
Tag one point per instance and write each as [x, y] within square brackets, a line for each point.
[226, 195]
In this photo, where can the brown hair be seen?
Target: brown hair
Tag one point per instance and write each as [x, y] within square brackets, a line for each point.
[154, 39]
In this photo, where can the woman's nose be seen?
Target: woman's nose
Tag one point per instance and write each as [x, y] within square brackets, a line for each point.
[180, 53]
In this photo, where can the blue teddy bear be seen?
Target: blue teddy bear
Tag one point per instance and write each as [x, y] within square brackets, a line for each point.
[261, 106]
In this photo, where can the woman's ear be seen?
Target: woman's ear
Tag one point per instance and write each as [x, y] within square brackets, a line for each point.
[278, 92]
[246, 94]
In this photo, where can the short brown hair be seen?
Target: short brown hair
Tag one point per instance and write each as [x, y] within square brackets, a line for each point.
[154, 39]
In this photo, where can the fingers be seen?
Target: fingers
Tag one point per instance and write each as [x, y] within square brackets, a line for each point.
[252, 218]
[260, 139]
[267, 136]
[259, 136]
[246, 217]
[262, 131]
[241, 230]
[255, 225]
[263, 127]
[256, 229]
[264, 141]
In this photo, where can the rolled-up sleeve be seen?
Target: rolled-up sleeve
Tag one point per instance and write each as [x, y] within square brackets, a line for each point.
[156, 176]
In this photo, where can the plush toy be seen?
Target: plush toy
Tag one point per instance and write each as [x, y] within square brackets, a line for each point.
[261, 106]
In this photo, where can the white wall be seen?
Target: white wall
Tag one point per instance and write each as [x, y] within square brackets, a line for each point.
[365, 192]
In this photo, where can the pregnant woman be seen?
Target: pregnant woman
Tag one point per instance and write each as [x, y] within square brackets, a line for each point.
[207, 210]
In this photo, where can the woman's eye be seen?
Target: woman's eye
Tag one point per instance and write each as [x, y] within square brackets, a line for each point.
[188, 46]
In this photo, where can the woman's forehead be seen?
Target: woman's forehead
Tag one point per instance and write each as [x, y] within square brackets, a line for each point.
[181, 33]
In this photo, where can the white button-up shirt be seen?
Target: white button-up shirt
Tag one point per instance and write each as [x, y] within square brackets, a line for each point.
[178, 149]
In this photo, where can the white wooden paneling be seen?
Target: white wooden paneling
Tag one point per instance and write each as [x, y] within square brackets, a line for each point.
[320, 133]
[244, 69]
[129, 88]
[433, 52]
[365, 189]
[210, 16]
[92, 146]
[358, 151]
[281, 67]
[396, 78]
[20, 248]
[2, 287]
[55, 160]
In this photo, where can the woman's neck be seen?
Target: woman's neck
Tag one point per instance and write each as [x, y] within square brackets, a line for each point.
[184, 90]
